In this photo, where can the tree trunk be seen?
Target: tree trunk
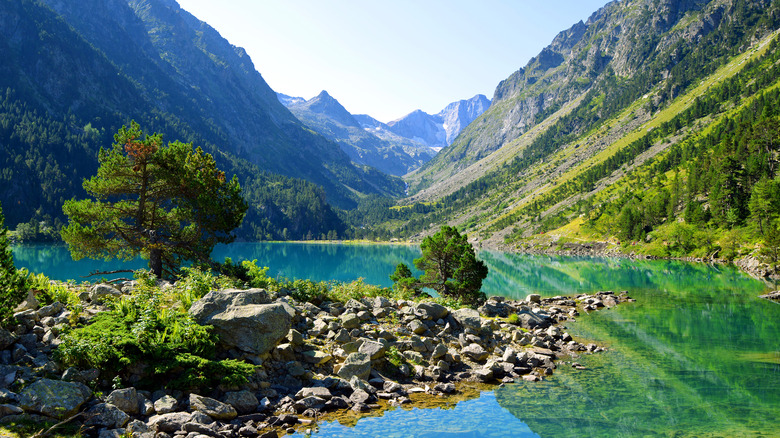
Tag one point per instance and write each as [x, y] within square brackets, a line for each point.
[155, 262]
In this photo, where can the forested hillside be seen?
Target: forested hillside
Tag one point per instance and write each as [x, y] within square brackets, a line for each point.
[73, 74]
[674, 154]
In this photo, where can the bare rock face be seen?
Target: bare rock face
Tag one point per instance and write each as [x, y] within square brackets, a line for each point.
[244, 319]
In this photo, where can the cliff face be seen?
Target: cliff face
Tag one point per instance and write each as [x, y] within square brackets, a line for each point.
[637, 41]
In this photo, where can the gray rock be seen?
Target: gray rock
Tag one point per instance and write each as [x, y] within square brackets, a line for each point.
[125, 399]
[112, 433]
[475, 352]
[295, 369]
[29, 303]
[350, 320]
[103, 290]
[170, 422]
[417, 327]
[468, 318]
[432, 311]
[356, 364]
[294, 337]
[213, 408]
[438, 351]
[241, 322]
[316, 357]
[51, 310]
[534, 298]
[374, 350]
[310, 402]
[106, 415]
[381, 302]
[7, 409]
[54, 398]
[243, 401]
[531, 320]
[165, 404]
[360, 396]
[321, 392]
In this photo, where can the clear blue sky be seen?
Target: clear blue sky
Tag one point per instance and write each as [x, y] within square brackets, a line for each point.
[389, 58]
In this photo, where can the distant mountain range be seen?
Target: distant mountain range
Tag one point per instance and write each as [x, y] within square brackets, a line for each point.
[397, 147]
[74, 72]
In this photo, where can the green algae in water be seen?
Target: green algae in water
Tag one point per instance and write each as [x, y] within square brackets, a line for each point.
[696, 355]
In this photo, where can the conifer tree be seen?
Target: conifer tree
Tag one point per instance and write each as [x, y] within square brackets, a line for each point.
[166, 203]
[13, 287]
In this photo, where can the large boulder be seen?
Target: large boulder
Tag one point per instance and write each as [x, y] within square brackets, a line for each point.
[244, 319]
[106, 415]
[170, 422]
[468, 318]
[213, 408]
[54, 398]
[356, 364]
[431, 311]
[125, 399]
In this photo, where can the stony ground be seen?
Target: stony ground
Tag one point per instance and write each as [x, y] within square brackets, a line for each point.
[310, 360]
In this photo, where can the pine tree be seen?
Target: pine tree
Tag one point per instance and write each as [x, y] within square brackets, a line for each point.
[166, 203]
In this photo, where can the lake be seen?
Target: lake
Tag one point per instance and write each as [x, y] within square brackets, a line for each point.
[697, 354]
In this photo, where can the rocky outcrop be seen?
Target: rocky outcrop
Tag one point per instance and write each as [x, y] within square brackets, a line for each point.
[244, 319]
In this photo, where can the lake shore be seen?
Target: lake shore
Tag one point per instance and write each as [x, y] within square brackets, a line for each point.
[360, 357]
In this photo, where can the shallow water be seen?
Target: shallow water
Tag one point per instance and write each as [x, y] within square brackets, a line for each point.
[696, 355]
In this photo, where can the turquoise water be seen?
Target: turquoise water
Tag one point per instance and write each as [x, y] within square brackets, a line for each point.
[697, 355]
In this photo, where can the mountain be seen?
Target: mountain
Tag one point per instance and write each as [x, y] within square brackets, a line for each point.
[652, 123]
[439, 130]
[622, 52]
[391, 154]
[396, 148]
[74, 72]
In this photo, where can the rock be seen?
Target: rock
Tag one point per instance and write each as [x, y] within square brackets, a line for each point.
[438, 351]
[360, 396]
[54, 398]
[213, 408]
[29, 303]
[106, 415]
[241, 321]
[381, 303]
[294, 337]
[102, 290]
[318, 391]
[165, 404]
[417, 327]
[374, 350]
[112, 433]
[316, 357]
[431, 311]
[125, 399]
[295, 369]
[350, 321]
[6, 339]
[7, 409]
[170, 422]
[468, 318]
[310, 402]
[243, 401]
[475, 352]
[531, 320]
[356, 364]
[51, 310]
[447, 388]
[533, 298]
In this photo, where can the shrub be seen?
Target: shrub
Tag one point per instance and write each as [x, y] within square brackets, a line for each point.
[13, 288]
[146, 328]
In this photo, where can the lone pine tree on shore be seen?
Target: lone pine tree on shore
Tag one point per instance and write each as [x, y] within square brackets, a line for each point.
[167, 203]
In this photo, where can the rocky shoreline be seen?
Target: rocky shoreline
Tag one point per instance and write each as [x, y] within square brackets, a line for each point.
[310, 359]
[749, 264]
